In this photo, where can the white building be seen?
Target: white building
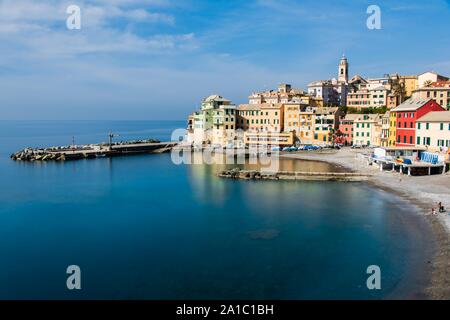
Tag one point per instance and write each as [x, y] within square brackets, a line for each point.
[429, 77]
[332, 92]
[433, 131]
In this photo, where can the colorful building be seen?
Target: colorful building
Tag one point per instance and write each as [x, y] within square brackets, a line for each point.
[346, 128]
[214, 123]
[367, 130]
[429, 77]
[438, 91]
[385, 129]
[392, 128]
[325, 122]
[433, 131]
[332, 92]
[266, 117]
[406, 115]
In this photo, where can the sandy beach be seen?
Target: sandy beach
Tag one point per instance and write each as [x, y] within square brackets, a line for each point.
[423, 191]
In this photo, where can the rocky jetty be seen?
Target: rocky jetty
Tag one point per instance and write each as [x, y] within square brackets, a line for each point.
[30, 154]
[238, 173]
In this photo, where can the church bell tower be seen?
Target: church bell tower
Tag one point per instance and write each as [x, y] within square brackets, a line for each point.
[343, 70]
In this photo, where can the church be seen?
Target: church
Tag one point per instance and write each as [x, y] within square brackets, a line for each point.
[333, 92]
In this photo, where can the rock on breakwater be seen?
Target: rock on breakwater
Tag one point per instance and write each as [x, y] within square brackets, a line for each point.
[31, 155]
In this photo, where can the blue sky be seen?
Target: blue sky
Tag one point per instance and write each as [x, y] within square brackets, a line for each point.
[156, 59]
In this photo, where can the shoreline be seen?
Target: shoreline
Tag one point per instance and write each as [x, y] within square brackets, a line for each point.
[420, 192]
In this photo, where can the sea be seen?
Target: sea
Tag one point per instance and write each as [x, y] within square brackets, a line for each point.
[144, 227]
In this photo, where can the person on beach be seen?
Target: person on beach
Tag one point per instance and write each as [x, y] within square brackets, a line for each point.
[441, 207]
[433, 211]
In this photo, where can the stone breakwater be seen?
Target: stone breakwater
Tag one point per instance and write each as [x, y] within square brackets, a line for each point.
[237, 173]
[37, 155]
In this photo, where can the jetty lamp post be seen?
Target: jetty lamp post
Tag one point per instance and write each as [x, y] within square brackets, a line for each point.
[111, 136]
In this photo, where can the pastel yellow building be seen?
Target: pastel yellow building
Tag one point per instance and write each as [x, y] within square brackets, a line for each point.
[265, 117]
[392, 128]
[410, 83]
[299, 120]
[438, 91]
[325, 122]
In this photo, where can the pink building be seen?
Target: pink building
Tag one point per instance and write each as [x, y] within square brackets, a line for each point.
[346, 128]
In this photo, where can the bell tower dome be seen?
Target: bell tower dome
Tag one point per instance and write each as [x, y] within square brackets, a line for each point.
[343, 70]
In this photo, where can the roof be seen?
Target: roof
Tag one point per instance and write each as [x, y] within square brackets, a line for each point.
[216, 97]
[379, 88]
[249, 107]
[436, 116]
[441, 84]
[259, 106]
[328, 110]
[433, 72]
[350, 117]
[368, 117]
[411, 105]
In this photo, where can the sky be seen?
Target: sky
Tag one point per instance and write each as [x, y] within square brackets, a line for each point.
[157, 59]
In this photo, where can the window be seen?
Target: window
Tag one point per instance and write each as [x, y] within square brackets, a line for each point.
[418, 140]
[404, 139]
[427, 126]
[410, 140]
[442, 126]
[418, 126]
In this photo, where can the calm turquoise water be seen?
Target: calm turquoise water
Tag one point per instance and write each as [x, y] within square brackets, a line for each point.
[141, 227]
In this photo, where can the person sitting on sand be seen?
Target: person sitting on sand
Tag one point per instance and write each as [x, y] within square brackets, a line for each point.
[441, 207]
[433, 211]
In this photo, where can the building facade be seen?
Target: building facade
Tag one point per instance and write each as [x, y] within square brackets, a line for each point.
[266, 117]
[346, 128]
[367, 130]
[214, 123]
[429, 77]
[438, 91]
[326, 124]
[332, 92]
[392, 128]
[385, 129]
[406, 115]
[433, 131]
